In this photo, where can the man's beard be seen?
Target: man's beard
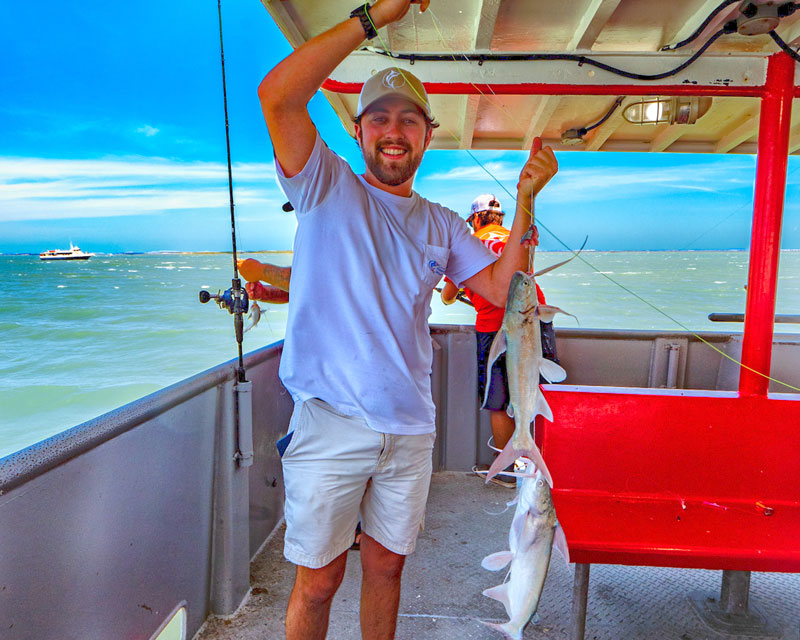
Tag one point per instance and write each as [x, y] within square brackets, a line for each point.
[396, 173]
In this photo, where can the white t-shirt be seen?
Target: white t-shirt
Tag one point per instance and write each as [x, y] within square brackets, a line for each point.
[364, 267]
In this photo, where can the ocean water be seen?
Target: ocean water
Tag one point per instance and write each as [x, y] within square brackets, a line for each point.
[82, 338]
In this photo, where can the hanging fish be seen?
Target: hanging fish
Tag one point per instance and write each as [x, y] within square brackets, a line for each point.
[520, 337]
[534, 532]
[253, 316]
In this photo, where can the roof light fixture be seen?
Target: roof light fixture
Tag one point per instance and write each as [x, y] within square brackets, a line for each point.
[670, 110]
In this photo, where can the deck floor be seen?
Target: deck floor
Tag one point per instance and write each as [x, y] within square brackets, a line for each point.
[443, 580]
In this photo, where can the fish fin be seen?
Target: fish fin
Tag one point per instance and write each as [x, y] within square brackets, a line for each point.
[563, 262]
[551, 371]
[497, 349]
[535, 619]
[500, 593]
[503, 628]
[515, 531]
[546, 312]
[541, 408]
[503, 459]
[560, 542]
[496, 561]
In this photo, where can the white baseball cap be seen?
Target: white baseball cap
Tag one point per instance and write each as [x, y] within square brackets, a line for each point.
[486, 202]
[394, 82]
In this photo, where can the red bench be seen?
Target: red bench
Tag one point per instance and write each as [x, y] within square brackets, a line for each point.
[674, 478]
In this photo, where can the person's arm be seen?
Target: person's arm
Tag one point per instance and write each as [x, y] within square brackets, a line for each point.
[266, 293]
[492, 282]
[449, 292]
[252, 270]
[287, 89]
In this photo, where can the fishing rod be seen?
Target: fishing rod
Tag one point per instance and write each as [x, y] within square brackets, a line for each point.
[235, 299]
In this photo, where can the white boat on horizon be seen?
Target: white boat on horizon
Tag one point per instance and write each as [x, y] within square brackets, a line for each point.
[73, 253]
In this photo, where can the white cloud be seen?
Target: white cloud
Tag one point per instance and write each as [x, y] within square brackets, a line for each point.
[609, 183]
[147, 130]
[41, 188]
[501, 170]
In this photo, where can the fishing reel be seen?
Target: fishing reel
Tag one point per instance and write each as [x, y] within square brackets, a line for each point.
[234, 299]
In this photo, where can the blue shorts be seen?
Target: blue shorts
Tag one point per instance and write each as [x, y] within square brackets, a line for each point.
[498, 381]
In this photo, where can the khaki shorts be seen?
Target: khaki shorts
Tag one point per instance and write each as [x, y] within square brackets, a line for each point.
[336, 469]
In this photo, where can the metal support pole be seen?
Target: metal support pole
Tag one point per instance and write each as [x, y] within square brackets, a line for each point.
[765, 241]
[580, 596]
[733, 613]
[735, 592]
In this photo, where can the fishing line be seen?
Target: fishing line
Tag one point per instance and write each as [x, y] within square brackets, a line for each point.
[558, 239]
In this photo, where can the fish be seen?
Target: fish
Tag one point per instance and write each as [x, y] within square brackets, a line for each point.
[534, 532]
[253, 317]
[520, 337]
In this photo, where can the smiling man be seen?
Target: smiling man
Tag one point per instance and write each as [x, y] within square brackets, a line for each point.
[357, 354]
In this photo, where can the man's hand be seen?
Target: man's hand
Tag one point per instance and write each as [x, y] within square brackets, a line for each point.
[258, 292]
[533, 241]
[540, 167]
[250, 269]
[385, 12]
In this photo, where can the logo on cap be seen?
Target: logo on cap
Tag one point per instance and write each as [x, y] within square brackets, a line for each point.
[394, 79]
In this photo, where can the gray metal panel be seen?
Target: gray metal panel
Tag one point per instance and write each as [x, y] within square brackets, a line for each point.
[615, 363]
[462, 401]
[108, 543]
[230, 575]
[272, 409]
[785, 359]
[439, 393]
[456, 396]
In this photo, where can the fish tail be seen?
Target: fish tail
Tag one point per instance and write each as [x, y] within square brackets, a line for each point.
[510, 453]
[536, 457]
[505, 458]
[506, 629]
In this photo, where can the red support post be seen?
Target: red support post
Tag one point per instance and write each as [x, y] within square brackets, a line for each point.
[765, 240]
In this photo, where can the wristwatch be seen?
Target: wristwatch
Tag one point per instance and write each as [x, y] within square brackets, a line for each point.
[362, 13]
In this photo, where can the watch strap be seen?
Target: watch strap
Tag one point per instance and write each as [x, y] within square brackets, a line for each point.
[362, 13]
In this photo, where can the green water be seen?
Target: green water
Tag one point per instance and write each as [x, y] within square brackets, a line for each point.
[82, 338]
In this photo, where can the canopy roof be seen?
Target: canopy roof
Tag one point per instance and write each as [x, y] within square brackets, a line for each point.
[503, 104]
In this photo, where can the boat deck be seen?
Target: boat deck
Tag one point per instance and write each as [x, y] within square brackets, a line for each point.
[443, 581]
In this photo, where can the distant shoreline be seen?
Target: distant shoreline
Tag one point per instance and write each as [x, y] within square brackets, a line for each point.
[164, 253]
[288, 251]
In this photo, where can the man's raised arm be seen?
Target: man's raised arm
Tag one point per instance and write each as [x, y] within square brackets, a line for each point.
[492, 282]
[287, 89]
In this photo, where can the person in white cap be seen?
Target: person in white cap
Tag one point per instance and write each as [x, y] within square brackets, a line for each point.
[486, 220]
[357, 354]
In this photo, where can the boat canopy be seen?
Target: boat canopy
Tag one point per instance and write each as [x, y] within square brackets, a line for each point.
[497, 78]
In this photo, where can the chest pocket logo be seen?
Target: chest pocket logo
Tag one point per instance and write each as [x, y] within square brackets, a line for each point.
[434, 263]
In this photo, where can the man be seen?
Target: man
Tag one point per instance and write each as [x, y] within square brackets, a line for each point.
[486, 220]
[357, 354]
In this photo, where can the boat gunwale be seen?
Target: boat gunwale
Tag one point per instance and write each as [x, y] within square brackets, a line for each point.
[25, 465]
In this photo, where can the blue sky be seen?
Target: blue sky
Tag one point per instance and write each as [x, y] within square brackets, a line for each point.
[112, 136]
